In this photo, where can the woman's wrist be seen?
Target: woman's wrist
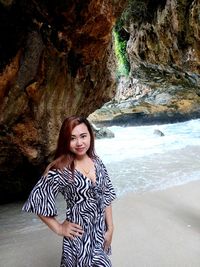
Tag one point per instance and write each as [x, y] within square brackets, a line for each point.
[59, 229]
[53, 224]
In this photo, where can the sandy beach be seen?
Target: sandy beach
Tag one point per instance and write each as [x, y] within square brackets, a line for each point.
[158, 229]
[153, 229]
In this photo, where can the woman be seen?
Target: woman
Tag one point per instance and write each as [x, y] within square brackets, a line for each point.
[81, 177]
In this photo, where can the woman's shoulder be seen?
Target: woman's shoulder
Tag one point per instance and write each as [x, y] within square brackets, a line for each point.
[57, 177]
[54, 168]
[52, 175]
[52, 172]
[97, 159]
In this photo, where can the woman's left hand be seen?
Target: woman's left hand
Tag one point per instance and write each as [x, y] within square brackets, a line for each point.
[107, 239]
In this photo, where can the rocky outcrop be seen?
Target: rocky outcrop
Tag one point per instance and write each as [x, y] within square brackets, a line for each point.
[163, 49]
[103, 133]
[55, 61]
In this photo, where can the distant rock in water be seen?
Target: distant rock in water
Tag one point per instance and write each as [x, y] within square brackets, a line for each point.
[158, 132]
[101, 133]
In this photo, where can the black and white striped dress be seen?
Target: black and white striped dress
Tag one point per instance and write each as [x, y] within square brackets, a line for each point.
[86, 203]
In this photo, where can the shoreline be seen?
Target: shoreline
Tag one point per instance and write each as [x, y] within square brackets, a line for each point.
[141, 119]
[152, 229]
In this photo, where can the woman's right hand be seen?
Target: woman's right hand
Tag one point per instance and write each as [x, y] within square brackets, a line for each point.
[70, 230]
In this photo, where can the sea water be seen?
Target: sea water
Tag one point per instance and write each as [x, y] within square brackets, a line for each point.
[140, 160]
[137, 160]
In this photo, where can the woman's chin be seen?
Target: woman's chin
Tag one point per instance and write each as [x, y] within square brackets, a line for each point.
[80, 153]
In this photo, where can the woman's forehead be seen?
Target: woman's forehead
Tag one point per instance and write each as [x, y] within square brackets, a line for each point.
[80, 129]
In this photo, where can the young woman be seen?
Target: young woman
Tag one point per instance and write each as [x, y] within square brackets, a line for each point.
[81, 177]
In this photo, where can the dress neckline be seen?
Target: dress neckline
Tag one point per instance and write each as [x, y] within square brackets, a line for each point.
[88, 178]
[85, 174]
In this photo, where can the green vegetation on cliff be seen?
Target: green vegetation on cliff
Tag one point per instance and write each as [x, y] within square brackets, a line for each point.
[120, 42]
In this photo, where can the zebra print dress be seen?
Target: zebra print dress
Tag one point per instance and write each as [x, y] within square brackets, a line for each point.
[86, 203]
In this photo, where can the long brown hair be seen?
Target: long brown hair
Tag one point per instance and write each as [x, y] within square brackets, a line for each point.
[63, 156]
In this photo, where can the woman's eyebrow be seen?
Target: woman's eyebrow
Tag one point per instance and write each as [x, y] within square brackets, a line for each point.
[83, 134]
[73, 135]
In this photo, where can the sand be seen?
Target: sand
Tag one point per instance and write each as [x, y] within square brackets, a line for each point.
[153, 229]
[158, 229]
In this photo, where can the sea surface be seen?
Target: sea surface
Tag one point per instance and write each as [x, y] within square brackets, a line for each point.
[137, 159]
[140, 160]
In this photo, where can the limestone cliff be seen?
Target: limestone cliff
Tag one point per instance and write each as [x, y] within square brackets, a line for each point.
[163, 50]
[55, 61]
[69, 57]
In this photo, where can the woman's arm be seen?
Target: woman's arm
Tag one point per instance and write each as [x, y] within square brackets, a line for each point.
[66, 228]
[109, 226]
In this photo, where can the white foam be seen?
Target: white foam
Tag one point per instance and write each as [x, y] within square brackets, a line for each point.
[134, 142]
[138, 160]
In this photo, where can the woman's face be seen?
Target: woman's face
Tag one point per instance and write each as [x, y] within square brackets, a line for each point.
[80, 140]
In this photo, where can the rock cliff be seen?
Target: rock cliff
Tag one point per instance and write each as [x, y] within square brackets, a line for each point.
[55, 60]
[163, 50]
[71, 57]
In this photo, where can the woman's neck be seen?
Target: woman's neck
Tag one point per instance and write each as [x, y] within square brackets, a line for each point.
[81, 158]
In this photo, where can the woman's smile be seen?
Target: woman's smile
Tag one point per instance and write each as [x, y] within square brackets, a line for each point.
[80, 149]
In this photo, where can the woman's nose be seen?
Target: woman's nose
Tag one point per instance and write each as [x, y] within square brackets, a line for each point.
[78, 141]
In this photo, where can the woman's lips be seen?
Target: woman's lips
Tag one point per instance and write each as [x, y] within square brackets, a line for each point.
[80, 149]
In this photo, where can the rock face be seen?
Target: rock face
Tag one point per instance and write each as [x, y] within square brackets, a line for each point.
[163, 49]
[55, 61]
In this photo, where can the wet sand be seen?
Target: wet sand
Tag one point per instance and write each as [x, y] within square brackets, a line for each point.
[153, 229]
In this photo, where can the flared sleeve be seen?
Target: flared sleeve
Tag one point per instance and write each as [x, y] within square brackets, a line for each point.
[42, 198]
[109, 191]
